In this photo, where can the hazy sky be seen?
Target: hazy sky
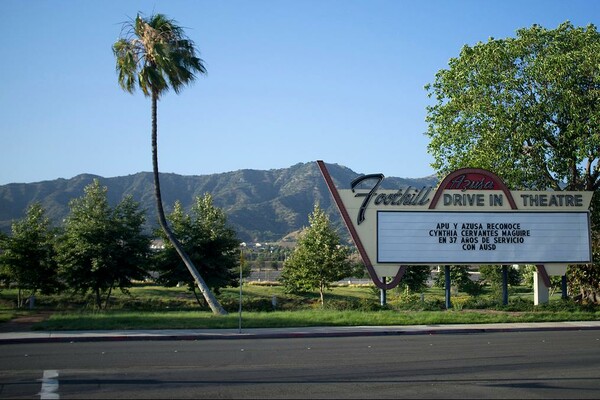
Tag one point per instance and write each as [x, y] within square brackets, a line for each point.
[288, 81]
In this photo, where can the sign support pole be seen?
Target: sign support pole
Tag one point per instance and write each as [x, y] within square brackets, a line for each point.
[505, 284]
[383, 292]
[447, 286]
[241, 281]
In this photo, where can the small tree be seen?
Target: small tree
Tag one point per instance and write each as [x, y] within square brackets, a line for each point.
[584, 280]
[528, 271]
[493, 275]
[211, 244]
[102, 247]
[415, 277]
[318, 260]
[27, 257]
[4, 278]
[459, 277]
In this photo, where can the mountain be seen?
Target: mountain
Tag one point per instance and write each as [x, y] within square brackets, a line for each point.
[260, 205]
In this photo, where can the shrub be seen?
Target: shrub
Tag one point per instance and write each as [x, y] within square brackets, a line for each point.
[459, 302]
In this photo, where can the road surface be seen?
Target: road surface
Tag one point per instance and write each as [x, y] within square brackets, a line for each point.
[522, 364]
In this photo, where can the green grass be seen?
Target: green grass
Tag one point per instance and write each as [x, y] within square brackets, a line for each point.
[124, 320]
[6, 315]
[156, 307]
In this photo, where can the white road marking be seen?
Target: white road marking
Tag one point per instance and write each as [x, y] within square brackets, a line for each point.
[49, 385]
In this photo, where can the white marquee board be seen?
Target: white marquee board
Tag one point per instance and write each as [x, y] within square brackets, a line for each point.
[413, 237]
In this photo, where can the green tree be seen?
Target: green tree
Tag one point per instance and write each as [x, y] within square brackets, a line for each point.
[492, 274]
[459, 277]
[210, 243]
[243, 264]
[156, 55]
[318, 260]
[527, 272]
[261, 261]
[102, 248]
[415, 277]
[4, 278]
[527, 108]
[27, 256]
[584, 281]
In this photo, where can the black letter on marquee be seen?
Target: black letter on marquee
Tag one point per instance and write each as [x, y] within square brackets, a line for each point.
[368, 196]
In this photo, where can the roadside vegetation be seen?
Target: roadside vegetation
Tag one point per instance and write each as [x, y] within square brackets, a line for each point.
[156, 307]
[99, 272]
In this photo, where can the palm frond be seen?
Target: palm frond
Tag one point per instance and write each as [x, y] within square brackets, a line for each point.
[155, 54]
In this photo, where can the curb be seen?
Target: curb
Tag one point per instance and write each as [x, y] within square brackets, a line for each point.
[281, 333]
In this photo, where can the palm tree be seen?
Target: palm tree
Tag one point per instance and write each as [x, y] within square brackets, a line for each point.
[155, 54]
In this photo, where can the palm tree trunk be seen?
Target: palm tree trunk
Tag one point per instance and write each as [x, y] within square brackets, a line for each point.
[213, 303]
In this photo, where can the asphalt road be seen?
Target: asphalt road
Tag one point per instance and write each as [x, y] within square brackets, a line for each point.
[548, 364]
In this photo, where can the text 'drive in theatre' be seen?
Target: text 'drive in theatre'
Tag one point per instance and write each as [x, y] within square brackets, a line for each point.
[482, 237]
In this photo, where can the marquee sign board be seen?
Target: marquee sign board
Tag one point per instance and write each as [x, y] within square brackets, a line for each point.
[471, 218]
[482, 238]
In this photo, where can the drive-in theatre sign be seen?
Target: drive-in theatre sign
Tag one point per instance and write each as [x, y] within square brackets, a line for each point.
[471, 218]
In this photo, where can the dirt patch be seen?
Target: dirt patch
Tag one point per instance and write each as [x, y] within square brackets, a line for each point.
[24, 323]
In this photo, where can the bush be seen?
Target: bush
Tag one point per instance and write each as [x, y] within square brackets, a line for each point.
[340, 305]
[516, 304]
[434, 305]
[480, 303]
[459, 302]
[473, 288]
[568, 305]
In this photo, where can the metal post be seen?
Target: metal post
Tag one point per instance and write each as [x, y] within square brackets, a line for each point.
[563, 285]
[505, 284]
[383, 293]
[240, 307]
[447, 286]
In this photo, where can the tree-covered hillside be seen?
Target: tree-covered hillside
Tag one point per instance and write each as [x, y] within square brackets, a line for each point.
[261, 205]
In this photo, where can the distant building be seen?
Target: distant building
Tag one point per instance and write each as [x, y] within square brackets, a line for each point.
[157, 244]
